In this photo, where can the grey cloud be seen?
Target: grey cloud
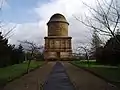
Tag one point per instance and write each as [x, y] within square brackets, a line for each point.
[28, 31]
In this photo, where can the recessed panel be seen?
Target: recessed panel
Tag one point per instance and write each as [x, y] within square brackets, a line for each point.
[64, 54]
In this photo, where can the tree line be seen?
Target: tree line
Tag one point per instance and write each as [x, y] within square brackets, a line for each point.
[11, 54]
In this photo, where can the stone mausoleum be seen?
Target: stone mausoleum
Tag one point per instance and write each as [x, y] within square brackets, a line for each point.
[57, 42]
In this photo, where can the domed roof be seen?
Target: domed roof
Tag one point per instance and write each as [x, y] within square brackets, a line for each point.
[58, 18]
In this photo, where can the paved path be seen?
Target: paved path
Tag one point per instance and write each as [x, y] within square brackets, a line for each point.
[32, 80]
[84, 80]
[58, 79]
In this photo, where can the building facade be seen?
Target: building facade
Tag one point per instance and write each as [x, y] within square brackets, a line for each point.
[57, 43]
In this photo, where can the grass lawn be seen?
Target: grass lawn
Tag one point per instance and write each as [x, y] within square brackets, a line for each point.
[9, 73]
[111, 73]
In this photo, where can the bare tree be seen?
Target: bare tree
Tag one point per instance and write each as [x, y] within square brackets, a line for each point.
[85, 49]
[104, 19]
[31, 47]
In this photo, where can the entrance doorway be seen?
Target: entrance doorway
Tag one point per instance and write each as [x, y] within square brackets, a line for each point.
[58, 56]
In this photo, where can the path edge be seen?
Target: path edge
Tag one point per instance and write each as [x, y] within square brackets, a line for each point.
[24, 74]
[99, 76]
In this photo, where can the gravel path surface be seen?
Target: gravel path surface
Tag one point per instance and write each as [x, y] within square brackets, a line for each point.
[58, 79]
[83, 80]
[32, 80]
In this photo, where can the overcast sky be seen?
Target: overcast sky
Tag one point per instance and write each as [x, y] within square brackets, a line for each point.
[31, 16]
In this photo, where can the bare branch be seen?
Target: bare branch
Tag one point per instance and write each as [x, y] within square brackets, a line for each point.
[105, 19]
[116, 23]
[6, 34]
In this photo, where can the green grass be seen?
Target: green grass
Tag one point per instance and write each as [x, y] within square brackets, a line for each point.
[9, 73]
[111, 73]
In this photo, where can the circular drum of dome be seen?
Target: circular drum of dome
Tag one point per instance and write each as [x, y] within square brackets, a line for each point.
[57, 25]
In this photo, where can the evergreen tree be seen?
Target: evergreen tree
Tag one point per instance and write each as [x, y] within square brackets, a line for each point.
[110, 53]
[4, 54]
[96, 43]
[21, 53]
[10, 55]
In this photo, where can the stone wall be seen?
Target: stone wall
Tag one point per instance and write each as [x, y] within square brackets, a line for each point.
[58, 29]
[58, 45]
[54, 55]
